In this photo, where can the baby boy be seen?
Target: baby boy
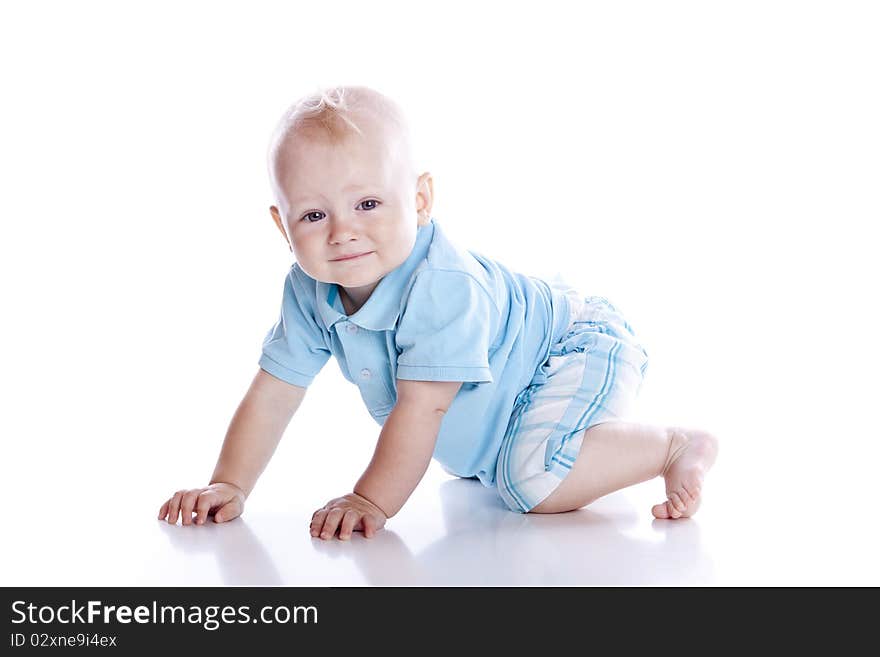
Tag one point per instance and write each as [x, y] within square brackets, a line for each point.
[498, 376]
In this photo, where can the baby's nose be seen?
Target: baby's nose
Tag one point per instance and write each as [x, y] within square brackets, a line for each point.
[343, 229]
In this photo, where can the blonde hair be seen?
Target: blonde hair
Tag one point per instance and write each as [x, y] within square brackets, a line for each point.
[333, 113]
[330, 109]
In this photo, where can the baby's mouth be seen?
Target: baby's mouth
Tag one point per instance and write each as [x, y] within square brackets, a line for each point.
[351, 256]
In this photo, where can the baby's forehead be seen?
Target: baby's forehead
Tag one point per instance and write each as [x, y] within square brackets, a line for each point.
[380, 152]
[373, 141]
[305, 156]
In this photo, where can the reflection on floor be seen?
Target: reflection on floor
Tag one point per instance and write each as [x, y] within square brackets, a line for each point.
[455, 532]
[483, 544]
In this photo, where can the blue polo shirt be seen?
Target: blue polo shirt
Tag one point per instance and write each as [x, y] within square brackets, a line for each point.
[445, 314]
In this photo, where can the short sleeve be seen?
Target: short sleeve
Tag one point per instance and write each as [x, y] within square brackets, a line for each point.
[444, 332]
[294, 350]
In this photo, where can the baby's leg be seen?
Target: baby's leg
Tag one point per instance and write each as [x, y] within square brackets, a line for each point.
[615, 455]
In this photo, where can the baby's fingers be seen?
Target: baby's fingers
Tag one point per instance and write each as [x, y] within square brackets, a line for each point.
[317, 521]
[187, 505]
[331, 522]
[371, 526]
[232, 509]
[174, 507]
[207, 500]
[349, 520]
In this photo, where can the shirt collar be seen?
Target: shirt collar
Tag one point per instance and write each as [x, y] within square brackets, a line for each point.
[382, 309]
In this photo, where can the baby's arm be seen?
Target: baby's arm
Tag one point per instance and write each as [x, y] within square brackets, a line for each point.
[402, 455]
[251, 439]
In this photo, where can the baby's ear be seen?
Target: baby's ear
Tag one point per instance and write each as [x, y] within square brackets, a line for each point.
[276, 217]
[425, 198]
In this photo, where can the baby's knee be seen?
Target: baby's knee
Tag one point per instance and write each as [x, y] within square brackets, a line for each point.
[559, 504]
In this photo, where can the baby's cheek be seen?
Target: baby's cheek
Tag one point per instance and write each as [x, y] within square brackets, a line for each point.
[307, 266]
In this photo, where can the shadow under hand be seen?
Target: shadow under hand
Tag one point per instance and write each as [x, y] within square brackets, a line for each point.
[241, 557]
[384, 559]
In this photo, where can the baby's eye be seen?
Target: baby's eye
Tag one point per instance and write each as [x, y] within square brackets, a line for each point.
[310, 216]
[372, 207]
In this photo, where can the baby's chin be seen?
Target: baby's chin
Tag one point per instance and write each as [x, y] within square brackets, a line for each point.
[353, 282]
[354, 279]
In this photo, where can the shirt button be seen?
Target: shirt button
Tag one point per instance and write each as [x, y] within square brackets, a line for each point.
[351, 328]
[366, 374]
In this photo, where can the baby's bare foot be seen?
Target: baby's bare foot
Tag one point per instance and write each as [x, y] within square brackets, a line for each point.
[691, 455]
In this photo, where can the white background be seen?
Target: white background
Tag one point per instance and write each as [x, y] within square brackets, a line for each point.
[712, 168]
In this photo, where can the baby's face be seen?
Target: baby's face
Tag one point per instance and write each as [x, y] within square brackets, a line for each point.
[351, 210]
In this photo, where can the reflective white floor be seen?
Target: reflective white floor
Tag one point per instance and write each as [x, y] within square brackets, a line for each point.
[455, 532]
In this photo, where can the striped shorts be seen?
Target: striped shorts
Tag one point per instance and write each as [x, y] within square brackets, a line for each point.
[592, 375]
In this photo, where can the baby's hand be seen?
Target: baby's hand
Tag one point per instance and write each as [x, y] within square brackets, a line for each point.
[356, 513]
[223, 501]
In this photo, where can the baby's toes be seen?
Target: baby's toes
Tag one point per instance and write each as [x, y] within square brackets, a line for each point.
[677, 503]
[691, 497]
[692, 487]
[665, 510]
[692, 491]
